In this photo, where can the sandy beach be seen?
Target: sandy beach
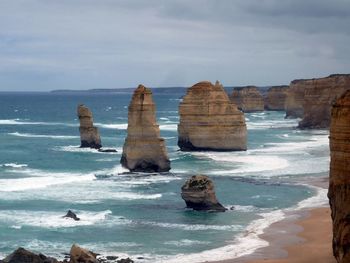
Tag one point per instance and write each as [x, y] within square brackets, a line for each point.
[301, 238]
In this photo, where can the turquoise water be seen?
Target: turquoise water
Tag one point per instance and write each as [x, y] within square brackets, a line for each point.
[43, 173]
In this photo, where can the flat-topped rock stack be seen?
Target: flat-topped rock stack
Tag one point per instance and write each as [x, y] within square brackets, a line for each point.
[319, 96]
[295, 98]
[89, 134]
[210, 121]
[339, 177]
[144, 150]
[276, 98]
[248, 99]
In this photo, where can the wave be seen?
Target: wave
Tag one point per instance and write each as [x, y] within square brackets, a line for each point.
[168, 127]
[29, 135]
[194, 227]
[121, 126]
[272, 124]
[13, 165]
[26, 122]
[186, 243]
[78, 149]
[47, 219]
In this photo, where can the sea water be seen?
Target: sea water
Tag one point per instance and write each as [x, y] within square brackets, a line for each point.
[43, 173]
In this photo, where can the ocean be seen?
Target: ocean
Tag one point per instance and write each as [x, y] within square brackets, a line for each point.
[43, 173]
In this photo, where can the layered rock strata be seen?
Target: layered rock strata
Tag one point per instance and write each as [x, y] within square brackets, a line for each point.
[210, 121]
[144, 150]
[339, 178]
[199, 194]
[248, 99]
[295, 99]
[319, 96]
[275, 99]
[81, 255]
[89, 135]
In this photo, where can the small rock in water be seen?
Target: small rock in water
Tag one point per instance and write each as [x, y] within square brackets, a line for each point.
[72, 215]
[111, 257]
[107, 150]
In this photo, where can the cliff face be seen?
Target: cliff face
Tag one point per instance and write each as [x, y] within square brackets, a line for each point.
[248, 99]
[89, 135]
[198, 193]
[209, 121]
[295, 99]
[144, 150]
[320, 94]
[276, 98]
[339, 177]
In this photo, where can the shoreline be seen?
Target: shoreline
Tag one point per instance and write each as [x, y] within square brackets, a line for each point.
[303, 236]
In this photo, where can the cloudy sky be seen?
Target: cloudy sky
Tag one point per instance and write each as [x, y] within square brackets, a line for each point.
[84, 44]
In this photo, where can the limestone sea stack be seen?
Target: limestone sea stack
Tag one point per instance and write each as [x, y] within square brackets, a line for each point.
[339, 177]
[319, 96]
[89, 135]
[276, 98]
[248, 99]
[199, 194]
[144, 150]
[295, 99]
[210, 121]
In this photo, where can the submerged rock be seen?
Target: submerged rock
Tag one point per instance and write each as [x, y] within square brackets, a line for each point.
[320, 94]
[71, 214]
[22, 255]
[89, 135]
[276, 98]
[339, 177]
[144, 150]
[248, 99]
[81, 255]
[210, 121]
[198, 193]
[107, 150]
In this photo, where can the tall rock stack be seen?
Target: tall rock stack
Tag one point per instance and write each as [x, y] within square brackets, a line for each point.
[320, 94]
[144, 150]
[295, 98]
[339, 178]
[276, 98]
[248, 99]
[210, 121]
[89, 135]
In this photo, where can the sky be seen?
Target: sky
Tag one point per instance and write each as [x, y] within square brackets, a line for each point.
[93, 44]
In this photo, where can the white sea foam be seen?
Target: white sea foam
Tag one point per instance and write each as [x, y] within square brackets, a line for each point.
[168, 127]
[272, 124]
[48, 219]
[186, 242]
[26, 122]
[194, 227]
[121, 126]
[13, 165]
[29, 135]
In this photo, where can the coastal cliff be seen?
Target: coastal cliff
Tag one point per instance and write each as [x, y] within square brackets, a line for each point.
[210, 121]
[89, 134]
[144, 150]
[248, 99]
[276, 98]
[339, 177]
[319, 96]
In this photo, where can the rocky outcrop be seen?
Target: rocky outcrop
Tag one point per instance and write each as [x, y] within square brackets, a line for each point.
[89, 135]
[275, 99]
[295, 99]
[72, 215]
[144, 150]
[22, 255]
[210, 121]
[319, 96]
[339, 177]
[198, 193]
[81, 255]
[248, 99]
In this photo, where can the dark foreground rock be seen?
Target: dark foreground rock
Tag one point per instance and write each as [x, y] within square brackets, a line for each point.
[198, 193]
[22, 255]
[339, 177]
[71, 214]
